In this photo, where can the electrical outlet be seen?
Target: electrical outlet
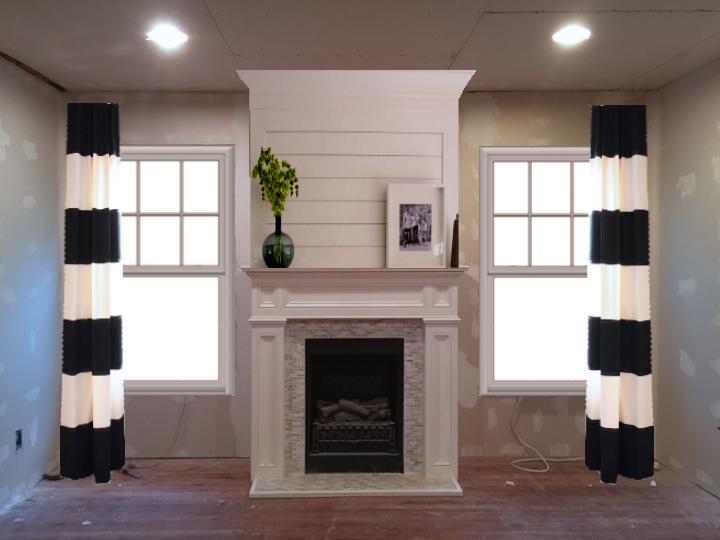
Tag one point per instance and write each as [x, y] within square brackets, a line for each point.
[18, 440]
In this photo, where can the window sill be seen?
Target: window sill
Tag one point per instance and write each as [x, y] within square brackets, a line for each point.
[534, 388]
[178, 388]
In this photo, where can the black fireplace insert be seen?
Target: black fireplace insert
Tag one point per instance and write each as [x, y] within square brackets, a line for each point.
[354, 407]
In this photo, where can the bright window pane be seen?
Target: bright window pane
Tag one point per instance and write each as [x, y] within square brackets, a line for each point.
[540, 329]
[200, 240]
[581, 241]
[170, 328]
[128, 173]
[582, 183]
[160, 240]
[550, 187]
[160, 186]
[200, 180]
[550, 241]
[510, 188]
[511, 241]
[128, 236]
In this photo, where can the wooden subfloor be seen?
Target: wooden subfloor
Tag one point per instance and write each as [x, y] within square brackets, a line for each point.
[199, 499]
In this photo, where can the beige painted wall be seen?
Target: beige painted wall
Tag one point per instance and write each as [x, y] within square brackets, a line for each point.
[554, 425]
[688, 379]
[215, 426]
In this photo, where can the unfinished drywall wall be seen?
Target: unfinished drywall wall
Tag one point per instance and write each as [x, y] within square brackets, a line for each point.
[31, 169]
[688, 342]
[214, 426]
[554, 425]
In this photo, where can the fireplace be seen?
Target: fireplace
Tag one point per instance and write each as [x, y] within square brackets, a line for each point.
[354, 405]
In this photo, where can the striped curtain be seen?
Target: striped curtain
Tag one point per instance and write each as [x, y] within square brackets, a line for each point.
[92, 425]
[620, 435]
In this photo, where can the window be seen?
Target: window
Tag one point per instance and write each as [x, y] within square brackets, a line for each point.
[533, 269]
[177, 248]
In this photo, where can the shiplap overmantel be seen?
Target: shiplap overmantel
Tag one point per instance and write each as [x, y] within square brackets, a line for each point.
[349, 134]
[281, 295]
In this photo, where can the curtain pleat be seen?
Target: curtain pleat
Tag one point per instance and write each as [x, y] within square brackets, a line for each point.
[92, 421]
[619, 438]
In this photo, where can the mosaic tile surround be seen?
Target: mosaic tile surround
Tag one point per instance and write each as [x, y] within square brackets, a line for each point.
[297, 331]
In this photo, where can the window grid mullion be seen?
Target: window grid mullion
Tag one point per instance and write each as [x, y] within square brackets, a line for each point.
[182, 208]
[572, 214]
[137, 210]
[529, 213]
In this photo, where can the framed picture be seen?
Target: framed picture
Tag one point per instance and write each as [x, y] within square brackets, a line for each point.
[415, 226]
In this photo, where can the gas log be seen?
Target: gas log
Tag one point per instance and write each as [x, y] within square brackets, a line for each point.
[349, 410]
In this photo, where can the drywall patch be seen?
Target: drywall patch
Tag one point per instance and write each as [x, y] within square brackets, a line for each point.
[19, 490]
[476, 195]
[483, 129]
[475, 328]
[511, 449]
[29, 149]
[474, 229]
[687, 185]
[715, 364]
[7, 295]
[29, 202]
[32, 395]
[686, 364]
[461, 227]
[33, 292]
[715, 409]
[675, 463]
[4, 141]
[469, 374]
[686, 287]
[130, 450]
[46, 279]
[4, 453]
[32, 248]
[508, 400]
[492, 418]
[4, 494]
[716, 320]
[537, 421]
[34, 431]
[716, 169]
[35, 478]
[561, 404]
[2, 268]
[475, 171]
[580, 420]
[538, 141]
[704, 477]
[474, 272]
[462, 258]
[2, 368]
[3, 409]
[474, 297]
[32, 342]
[471, 450]
[560, 450]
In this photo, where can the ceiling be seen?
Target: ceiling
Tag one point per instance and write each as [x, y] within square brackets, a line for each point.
[100, 45]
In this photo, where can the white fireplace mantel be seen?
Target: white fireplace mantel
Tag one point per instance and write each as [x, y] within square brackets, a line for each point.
[281, 295]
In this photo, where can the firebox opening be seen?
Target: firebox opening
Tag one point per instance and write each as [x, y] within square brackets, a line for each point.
[354, 408]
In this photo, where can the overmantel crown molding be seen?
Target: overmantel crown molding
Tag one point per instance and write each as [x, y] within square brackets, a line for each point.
[359, 293]
[420, 83]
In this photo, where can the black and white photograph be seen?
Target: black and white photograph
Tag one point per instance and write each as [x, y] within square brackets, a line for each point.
[415, 227]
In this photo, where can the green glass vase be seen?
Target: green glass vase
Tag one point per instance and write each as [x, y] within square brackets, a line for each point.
[278, 249]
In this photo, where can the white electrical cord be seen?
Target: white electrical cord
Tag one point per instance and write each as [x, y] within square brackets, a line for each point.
[514, 464]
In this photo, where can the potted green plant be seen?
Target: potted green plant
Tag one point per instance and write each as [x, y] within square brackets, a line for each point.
[278, 180]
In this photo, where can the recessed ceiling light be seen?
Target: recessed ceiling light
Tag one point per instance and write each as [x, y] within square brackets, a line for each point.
[167, 36]
[571, 34]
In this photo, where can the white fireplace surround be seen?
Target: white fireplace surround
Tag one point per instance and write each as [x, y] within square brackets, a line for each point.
[282, 295]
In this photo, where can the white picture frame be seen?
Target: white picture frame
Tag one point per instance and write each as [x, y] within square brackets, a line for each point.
[415, 226]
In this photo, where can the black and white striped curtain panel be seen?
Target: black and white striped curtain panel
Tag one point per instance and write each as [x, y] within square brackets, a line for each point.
[620, 433]
[92, 424]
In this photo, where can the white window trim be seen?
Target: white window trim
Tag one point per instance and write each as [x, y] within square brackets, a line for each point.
[488, 385]
[225, 384]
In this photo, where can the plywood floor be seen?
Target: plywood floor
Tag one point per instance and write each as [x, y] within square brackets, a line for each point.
[201, 499]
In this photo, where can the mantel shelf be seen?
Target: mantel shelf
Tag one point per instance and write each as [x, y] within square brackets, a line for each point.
[290, 273]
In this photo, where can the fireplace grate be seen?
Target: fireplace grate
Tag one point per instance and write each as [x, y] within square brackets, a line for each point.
[371, 435]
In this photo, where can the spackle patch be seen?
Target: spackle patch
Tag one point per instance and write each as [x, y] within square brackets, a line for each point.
[471, 450]
[560, 450]
[32, 342]
[2, 271]
[29, 149]
[4, 138]
[675, 463]
[29, 202]
[475, 327]
[704, 477]
[46, 279]
[33, 292]
[32, 395]
[474, 229]
[3, 408]
[715, 409]
[686, 287]
[474, 272]
[492, 418]
[2, 368]
[537, 421]
[32, 248]
[511, 449]
[561, 404]
[580, 421]
[469, 392]
[716, 320]
[715, 364]
[34, 432]
[4, 453]
[7, 295]
[686, 364]
[687, 184]
[716, 169]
